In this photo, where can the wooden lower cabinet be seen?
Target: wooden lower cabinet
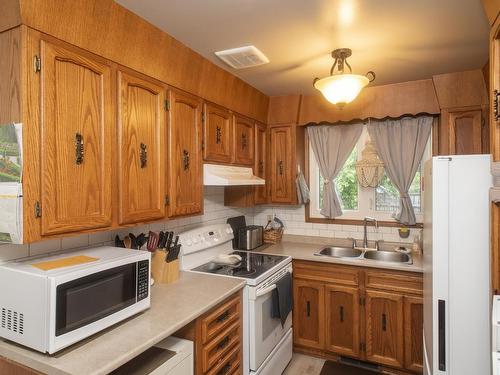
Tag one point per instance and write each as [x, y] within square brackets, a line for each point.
[384, 328]
[342, 320]
[414, 333]
[217, 337]
[9, 367]
[370, 314]
[308, 314]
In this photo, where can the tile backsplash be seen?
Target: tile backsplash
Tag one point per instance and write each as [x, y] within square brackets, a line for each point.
[215, 212]
[294, 219]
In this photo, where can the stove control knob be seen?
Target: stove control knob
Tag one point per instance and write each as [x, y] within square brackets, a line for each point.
[189, 242]
[195, 240]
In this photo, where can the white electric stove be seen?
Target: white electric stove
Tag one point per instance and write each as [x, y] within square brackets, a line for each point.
[267, 345]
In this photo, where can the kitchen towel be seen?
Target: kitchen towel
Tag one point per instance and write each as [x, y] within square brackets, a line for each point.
[302, 189]
[282, 298]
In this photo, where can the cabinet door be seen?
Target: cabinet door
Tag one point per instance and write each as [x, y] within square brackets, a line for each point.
[260, 162]
[243, 141]
[217, 134]
[141, 154]
[281, 164]
[384, 328]
[186, 178]
[413, 331]
[308, 314]
[342, 320]
[77, 125]
[465, 132]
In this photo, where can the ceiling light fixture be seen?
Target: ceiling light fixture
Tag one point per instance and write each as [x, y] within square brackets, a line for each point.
[341, 88]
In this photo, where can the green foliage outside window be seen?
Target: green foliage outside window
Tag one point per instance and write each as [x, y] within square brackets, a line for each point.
[346, 183]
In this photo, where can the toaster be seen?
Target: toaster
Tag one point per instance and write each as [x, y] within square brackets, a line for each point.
[250, 237]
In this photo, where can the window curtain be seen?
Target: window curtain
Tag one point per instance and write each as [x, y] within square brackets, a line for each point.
[401, 144]
[332, 146]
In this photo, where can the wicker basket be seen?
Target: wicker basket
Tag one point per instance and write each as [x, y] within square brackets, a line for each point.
[272, 235]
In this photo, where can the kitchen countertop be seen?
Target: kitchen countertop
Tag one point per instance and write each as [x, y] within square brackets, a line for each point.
[304, 247]
[172, 307]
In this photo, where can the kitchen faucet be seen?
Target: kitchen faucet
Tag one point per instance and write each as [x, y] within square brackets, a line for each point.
[365, 237]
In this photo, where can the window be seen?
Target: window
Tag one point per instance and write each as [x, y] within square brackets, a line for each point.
[358, 202]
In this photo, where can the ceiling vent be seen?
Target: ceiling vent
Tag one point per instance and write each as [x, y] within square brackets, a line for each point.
[242, 57]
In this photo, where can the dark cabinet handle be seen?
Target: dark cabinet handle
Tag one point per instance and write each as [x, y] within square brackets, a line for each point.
[243, 141]
[223, 317]
[225, 369]
[308, 308]
[384, 322]
[261, 166]
[143, 155]
[341, 313]
[280, 167]
[185, 159]
[442, 335]
[221, 345]
[79, 150]
[496, 112]
[218, 135]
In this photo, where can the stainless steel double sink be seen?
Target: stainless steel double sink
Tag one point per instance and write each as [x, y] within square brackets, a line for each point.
[357, 253]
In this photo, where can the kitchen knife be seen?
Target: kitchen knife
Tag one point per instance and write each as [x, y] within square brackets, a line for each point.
[127, 242]
[173, 254]
[169, 240]
[161, 240]
[176, 241]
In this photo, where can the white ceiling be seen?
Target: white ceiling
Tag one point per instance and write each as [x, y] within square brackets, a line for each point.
[401, 40]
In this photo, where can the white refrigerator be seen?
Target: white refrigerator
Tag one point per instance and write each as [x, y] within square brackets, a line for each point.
[457, 265]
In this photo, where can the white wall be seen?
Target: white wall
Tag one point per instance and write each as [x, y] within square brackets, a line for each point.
[215, 212]
[294, 219]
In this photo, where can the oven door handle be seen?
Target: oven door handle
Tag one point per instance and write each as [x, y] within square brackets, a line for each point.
[265, 291]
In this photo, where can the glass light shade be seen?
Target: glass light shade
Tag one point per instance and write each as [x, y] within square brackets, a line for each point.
[341, 89]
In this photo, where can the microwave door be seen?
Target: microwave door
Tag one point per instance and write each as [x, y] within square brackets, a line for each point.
[86, 300]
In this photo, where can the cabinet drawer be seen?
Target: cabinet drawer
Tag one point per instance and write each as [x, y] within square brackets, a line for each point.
[220, 346]
[219, 319]
[393, 281]
[229, 364]
[326, 272]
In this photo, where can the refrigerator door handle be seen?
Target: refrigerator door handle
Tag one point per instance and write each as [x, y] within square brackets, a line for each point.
[442, 335]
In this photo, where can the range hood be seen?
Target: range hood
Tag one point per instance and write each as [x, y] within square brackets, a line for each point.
[224, 175]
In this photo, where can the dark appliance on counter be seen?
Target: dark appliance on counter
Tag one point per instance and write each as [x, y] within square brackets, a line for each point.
[246, 237]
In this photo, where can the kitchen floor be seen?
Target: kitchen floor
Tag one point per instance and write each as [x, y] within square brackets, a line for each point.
[304, 365]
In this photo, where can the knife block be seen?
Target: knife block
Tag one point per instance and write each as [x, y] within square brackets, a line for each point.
[163, 272]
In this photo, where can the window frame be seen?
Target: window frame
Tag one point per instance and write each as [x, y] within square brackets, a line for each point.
[366, 196]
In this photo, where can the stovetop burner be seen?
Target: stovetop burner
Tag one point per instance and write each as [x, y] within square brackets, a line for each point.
[252, 265]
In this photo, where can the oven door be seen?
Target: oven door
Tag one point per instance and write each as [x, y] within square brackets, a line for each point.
[265, 332]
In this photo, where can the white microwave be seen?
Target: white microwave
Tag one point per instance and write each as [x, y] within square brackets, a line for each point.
[50, 303]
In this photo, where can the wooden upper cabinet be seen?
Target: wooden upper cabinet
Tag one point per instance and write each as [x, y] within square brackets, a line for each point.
[413, 331]
[465, 132]
[260, 167]
[141, 154]
[217, 134]
[243, 141]
[76, 148]
[185, 159]
[281, 164]
[384, 328]
[308, 314]
[342, 320]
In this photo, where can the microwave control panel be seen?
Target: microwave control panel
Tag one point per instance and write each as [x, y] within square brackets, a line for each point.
[142, 279]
